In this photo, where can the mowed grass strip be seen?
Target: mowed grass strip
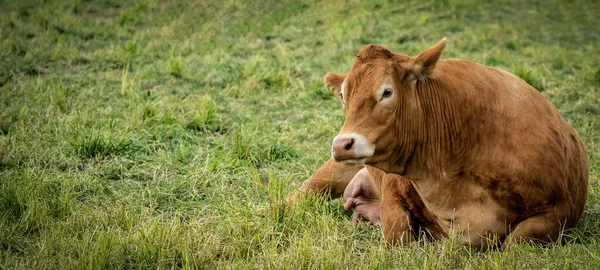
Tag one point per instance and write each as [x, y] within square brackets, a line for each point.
[150, 134]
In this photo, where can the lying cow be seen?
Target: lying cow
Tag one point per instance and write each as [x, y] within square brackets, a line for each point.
[468, 149]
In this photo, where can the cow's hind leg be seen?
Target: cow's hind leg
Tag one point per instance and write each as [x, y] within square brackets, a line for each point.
[542, 229]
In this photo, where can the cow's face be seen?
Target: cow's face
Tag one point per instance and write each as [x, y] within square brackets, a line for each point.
[380, 104]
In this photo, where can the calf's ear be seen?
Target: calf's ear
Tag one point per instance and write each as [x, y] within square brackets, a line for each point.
[423, 65]
[333, 82]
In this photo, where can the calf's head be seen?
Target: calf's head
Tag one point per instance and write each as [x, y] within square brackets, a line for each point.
[383, 118]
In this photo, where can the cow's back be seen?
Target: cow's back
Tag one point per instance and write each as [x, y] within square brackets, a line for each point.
[512, 141]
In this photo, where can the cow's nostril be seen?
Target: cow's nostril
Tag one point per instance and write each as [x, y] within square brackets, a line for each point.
[349, 144]
[350, 147]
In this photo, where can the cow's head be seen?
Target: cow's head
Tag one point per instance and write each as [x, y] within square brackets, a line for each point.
[381, 105]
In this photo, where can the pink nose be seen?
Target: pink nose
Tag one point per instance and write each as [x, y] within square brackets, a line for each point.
[343, 148]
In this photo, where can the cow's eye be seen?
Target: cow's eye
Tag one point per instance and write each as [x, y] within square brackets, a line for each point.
[342, 98]
[386, 93]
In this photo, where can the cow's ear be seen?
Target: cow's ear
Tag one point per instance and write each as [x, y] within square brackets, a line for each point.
[423, 65]
[333, 82]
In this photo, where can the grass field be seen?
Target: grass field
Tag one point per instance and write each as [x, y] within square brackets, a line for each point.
[146, 134]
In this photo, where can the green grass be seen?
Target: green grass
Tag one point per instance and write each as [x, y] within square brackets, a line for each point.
[148, 134]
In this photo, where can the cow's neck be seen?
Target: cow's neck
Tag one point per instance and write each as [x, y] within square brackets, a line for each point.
[438, 128]
[438, 143]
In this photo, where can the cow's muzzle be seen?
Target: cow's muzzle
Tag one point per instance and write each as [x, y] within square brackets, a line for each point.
[351, 149]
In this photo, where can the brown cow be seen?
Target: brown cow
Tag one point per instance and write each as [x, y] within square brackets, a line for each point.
[481, 151]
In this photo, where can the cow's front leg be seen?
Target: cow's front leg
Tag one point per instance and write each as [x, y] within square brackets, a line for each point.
[332, 178]
[382, 200]
[396, 221]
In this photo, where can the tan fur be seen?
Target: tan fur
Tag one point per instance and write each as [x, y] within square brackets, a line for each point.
[486, 155]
